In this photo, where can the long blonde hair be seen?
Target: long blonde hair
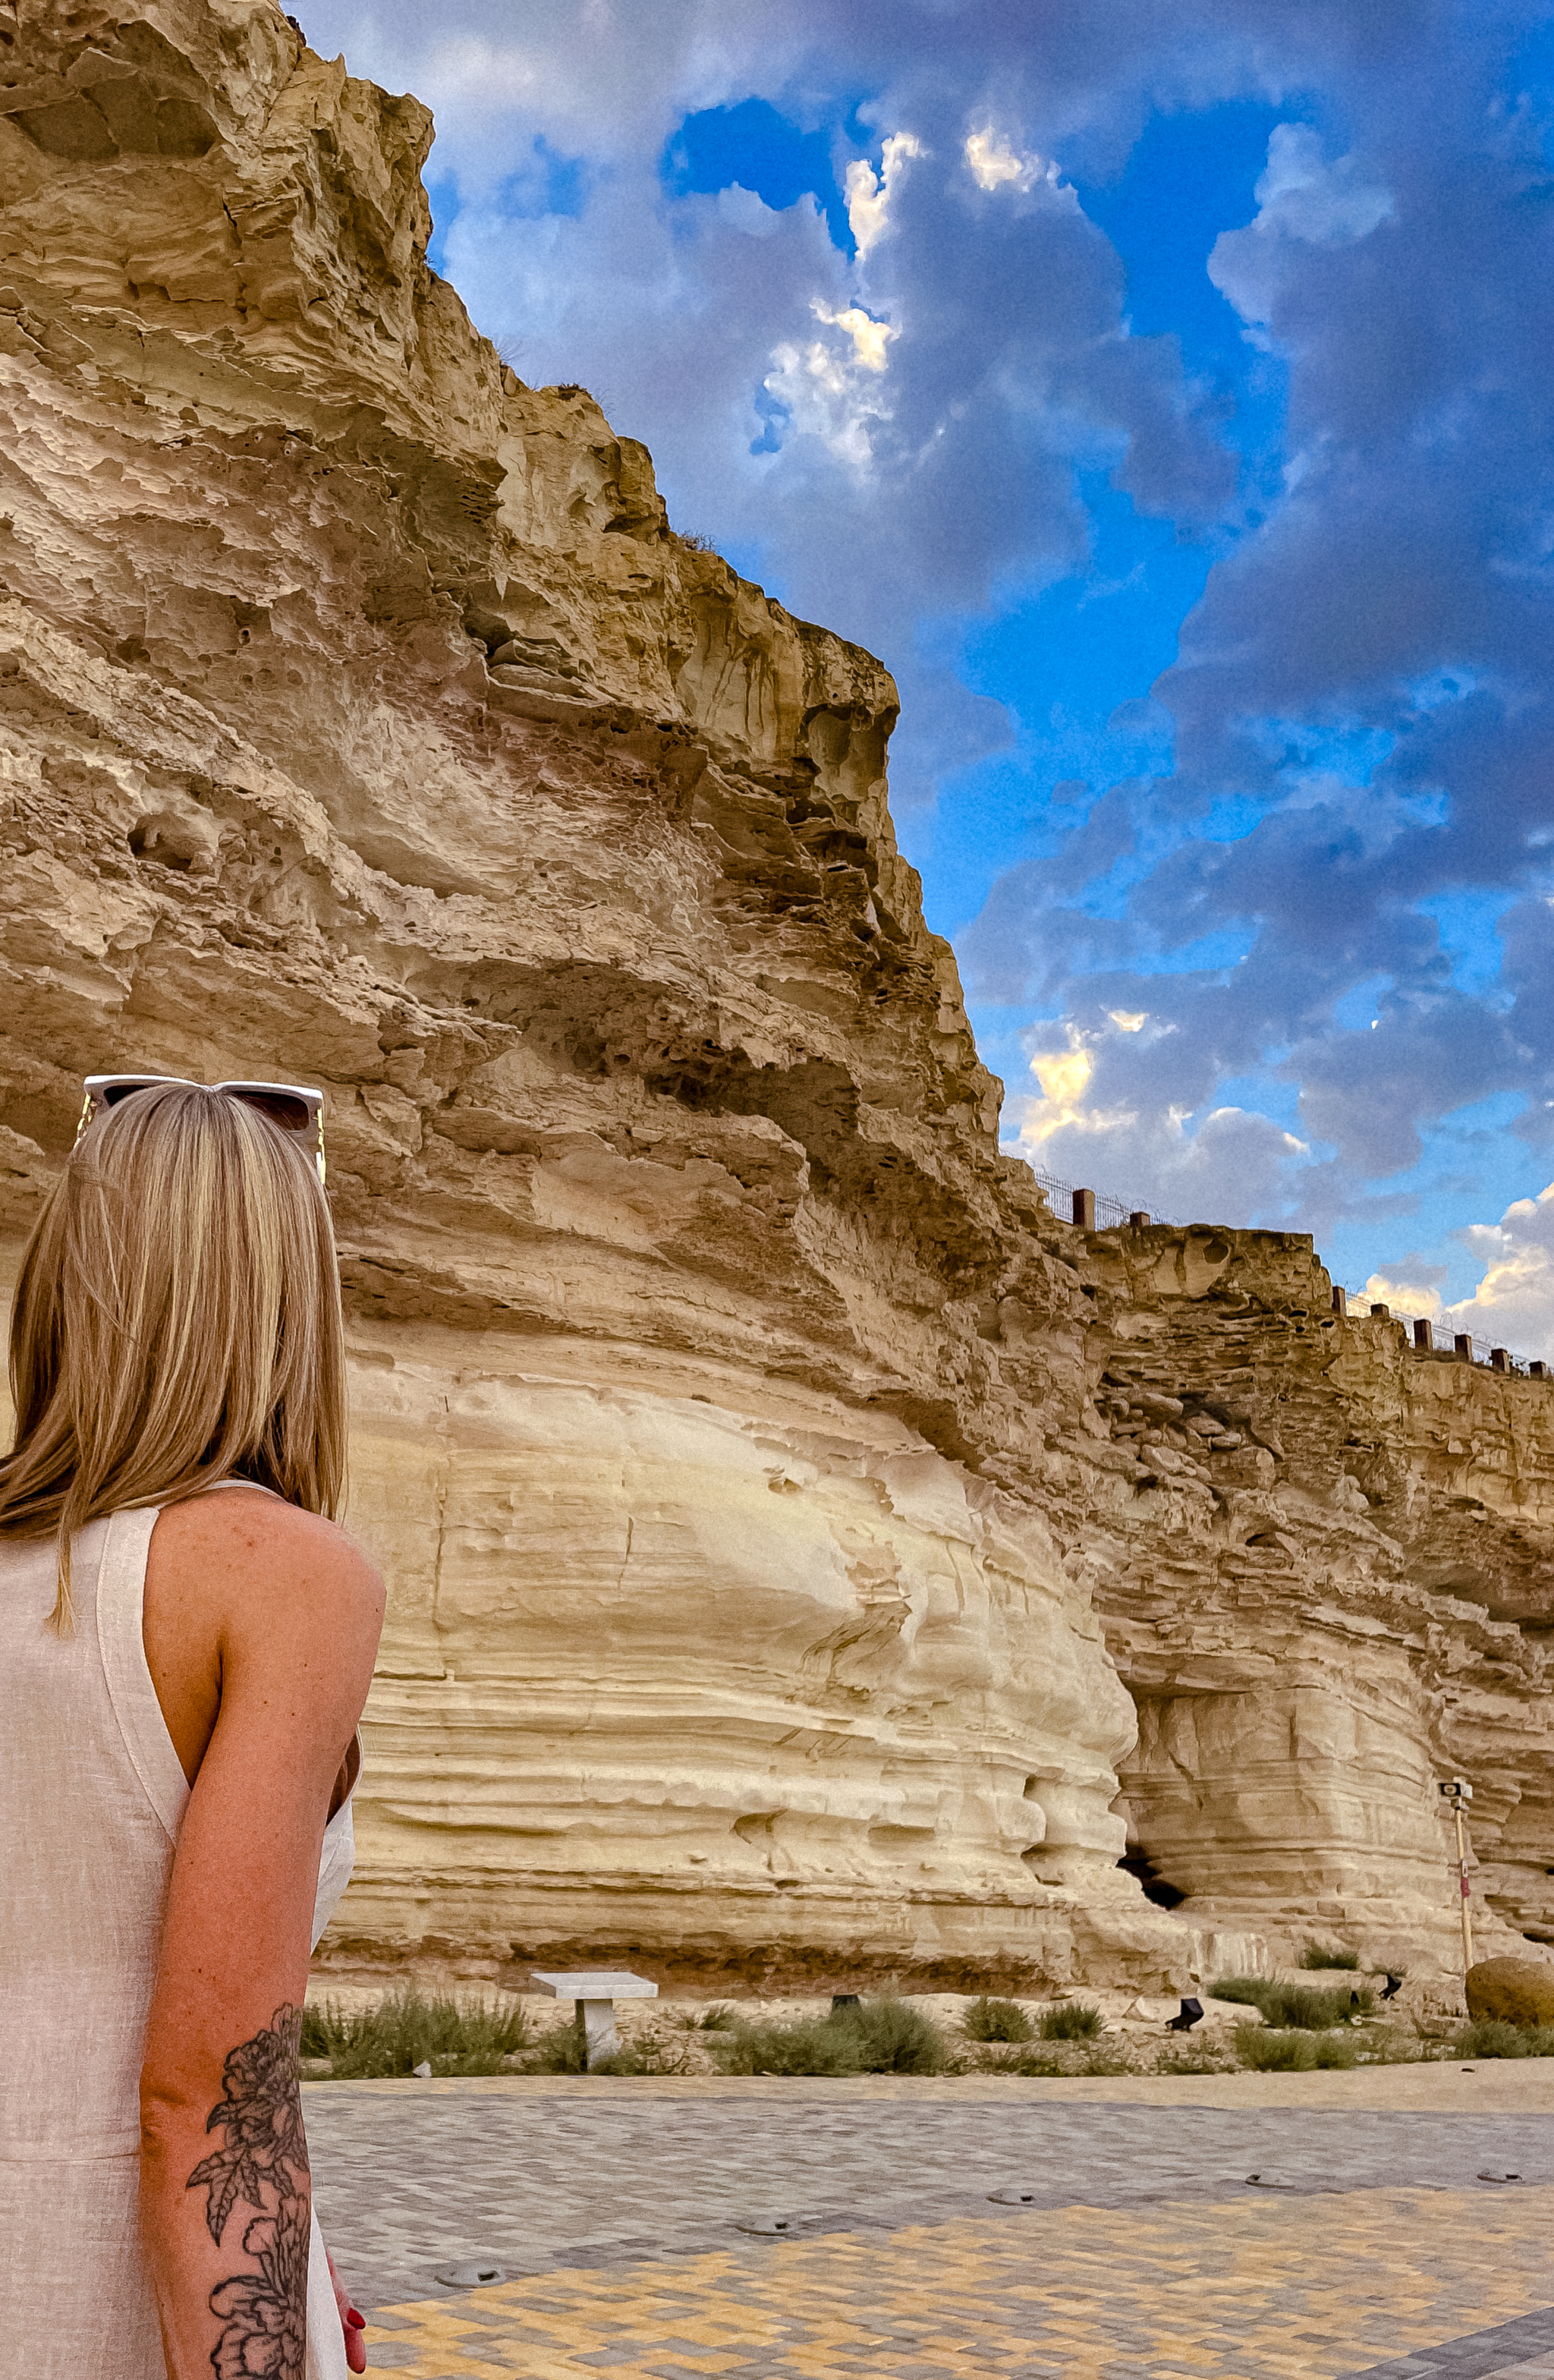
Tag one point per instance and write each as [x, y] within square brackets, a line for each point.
[177, 1322]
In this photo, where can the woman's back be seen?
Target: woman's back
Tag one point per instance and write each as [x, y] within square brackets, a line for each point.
[91, 1797]
[181, 1675]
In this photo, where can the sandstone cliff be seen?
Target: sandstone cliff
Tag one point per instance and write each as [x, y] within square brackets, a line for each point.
[752, 1454]
[1334, 1587]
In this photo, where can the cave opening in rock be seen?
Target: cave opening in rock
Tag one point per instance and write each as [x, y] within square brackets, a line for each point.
[1135, 1861]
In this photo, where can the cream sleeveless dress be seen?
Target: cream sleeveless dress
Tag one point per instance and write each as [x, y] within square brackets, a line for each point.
[91, 1797]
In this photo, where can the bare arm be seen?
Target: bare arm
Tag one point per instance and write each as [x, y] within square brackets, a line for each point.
[292, 1613]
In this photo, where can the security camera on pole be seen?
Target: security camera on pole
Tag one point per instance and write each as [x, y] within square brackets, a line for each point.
[1457, 1793]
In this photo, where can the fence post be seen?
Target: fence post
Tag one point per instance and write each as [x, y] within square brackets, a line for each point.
[1499, 1359]
[1138, 1220]
[1341, 1300]
[1381, 1313]
[1084, 1209]
[1461, 1347]
[1537, 1371]
[1424, 1337]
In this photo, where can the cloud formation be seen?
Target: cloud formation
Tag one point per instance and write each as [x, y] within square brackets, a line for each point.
[1514, 1303]
[1254, 892]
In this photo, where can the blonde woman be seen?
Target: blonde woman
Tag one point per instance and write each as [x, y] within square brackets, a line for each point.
[181, 1673]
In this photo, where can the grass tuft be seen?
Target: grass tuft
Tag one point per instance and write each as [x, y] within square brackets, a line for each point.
[1070, 2021]
[1058, 2058]
[1023, 2058]
[895, 2038]
[562, 2050]
[410, 2029]
[879, 2037]
[1290, 2050]
[718, 2018]
[1320, 1954]
[807, 2045]
[1298, 2008]
[1492, 2037]
[989, 2020]
[1269, 2052]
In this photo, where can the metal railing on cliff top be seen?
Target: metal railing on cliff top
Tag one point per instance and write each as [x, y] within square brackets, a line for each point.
[1097, 1211]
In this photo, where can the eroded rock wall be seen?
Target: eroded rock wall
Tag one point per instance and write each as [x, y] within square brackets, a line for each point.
[745, 1444]
[1332, 1589]
[364, 722]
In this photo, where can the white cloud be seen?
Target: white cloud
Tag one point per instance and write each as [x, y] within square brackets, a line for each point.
[993, 164]
[1299, 193]
[1402, 1293]
[868, 194]
[1064, 1075]
[869, 479]
[1229, 1163]
[870, 338]
[1301, 197]
[829, 389]
[1514, 1303]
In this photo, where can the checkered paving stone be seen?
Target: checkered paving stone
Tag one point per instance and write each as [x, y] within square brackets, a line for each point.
[1520, 2350]
[1387, 2284]
[408, 2180]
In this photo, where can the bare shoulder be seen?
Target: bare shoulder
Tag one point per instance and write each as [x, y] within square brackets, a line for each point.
[250, 1559]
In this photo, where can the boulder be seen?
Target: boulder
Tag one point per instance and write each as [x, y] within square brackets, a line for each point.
[1517, 1991]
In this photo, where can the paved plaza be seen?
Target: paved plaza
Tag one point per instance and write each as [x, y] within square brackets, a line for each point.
[626, 2214]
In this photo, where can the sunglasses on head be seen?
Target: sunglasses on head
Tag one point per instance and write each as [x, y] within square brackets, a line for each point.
[289, 1105]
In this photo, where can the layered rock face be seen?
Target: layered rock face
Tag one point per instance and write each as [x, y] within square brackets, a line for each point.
[751, 1454]
[1335, 1590]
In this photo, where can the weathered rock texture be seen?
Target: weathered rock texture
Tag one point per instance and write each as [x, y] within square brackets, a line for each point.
[747, 1446]
[1339, 1592]
[1511, 1991]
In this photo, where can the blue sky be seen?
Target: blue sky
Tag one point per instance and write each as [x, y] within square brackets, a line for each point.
[1164, 396]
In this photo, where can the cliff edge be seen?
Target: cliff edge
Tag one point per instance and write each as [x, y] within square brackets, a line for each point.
[784, 1552]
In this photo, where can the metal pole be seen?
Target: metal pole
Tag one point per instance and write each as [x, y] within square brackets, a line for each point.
[1463, 1879]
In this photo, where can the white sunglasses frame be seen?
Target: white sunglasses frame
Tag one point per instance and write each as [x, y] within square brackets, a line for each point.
[96, 1102]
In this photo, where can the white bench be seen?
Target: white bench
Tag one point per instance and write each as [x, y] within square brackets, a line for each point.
[597, 1990]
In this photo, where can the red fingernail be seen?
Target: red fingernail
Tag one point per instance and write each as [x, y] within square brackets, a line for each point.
[357, 2321]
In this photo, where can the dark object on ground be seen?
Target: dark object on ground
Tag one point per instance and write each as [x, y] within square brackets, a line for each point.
[1511, 1991]
[1321, 1954]
[1072, 2022]
[989, 2020]
[846, 1999]
[1189, 2014]
[1300, 2006]
[1392, 1986]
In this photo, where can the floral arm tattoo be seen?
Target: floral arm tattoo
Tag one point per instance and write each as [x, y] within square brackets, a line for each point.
[262, 2163]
